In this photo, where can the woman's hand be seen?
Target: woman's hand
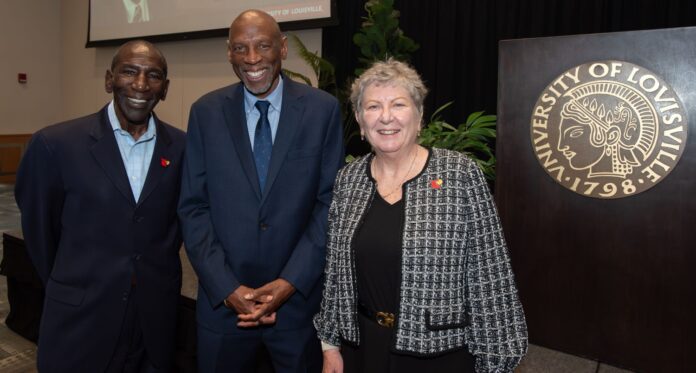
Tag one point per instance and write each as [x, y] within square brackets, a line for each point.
[333, 361]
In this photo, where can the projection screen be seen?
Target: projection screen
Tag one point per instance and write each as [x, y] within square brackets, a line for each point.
[114, 21]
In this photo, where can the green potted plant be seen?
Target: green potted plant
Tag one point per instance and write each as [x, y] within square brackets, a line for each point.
[472, 137]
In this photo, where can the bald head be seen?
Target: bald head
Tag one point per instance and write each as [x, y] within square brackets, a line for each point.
[256, 50]
[139, 47]
[258, 18]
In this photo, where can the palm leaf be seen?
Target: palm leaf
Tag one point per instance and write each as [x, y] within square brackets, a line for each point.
[297, 76]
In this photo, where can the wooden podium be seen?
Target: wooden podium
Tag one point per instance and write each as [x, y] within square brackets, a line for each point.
[602, 226]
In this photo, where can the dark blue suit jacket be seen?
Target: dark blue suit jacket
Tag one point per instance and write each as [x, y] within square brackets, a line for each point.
[87, 236]
[234, 233]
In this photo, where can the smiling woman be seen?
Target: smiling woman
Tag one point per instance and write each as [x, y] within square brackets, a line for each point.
[407, 227]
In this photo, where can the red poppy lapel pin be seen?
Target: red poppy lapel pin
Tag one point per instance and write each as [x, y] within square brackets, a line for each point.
[436, 184]
[164, 162]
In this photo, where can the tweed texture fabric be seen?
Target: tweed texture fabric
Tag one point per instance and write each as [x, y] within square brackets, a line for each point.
[457, 286]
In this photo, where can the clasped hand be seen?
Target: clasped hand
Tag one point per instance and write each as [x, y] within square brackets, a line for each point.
[258, 306]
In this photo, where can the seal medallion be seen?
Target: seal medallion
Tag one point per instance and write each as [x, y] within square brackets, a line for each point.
[608, 129]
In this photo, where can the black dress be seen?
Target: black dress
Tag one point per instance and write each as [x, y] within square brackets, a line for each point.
[377, 248]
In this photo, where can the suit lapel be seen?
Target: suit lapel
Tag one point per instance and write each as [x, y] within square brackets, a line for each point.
[105, 152]
[290, 119]
[236, 123]
[158, 165]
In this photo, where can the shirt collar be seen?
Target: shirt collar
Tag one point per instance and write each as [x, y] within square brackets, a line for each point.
[275, 98]
[116, 124]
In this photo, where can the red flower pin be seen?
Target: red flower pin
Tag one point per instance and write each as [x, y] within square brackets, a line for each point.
[164, 162]
[436, 184]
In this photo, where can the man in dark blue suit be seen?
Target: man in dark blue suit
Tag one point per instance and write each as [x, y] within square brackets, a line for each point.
[261, 160]
[98, 198]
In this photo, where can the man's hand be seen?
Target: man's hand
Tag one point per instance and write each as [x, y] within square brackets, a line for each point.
[268, 299]
[241, 300]
[256, 318]
[333, 362]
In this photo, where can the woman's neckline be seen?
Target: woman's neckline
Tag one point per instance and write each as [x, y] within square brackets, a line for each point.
[406, 182]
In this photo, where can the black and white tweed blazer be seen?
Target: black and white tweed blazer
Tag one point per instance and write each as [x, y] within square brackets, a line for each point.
[457, 287]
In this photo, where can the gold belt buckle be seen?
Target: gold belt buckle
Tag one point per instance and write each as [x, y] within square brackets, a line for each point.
[385, 319]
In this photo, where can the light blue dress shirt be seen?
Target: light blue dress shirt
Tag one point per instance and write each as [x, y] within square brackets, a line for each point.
[253, 115]
[136, 155]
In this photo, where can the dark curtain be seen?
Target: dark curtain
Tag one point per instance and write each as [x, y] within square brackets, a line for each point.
[458, 39]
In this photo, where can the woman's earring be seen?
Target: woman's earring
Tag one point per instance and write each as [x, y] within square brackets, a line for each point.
[362, 136]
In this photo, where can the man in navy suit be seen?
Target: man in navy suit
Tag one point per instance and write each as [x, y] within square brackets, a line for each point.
[260, 165]
[98, 198]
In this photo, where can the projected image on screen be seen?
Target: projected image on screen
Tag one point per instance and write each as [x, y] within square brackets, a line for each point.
[123, 19]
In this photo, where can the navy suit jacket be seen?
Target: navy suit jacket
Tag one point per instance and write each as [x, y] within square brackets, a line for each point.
[87, 237]
[234, 233]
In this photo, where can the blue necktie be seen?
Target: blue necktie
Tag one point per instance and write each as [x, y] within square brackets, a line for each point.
[263, 143]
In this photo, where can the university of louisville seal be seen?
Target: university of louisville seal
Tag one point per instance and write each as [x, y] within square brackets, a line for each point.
[608, 129]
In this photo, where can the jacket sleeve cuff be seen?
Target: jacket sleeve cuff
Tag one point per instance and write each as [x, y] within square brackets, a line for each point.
[325, 346]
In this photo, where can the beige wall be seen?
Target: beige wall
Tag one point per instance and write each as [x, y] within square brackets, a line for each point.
[30, 43]
[71, 82]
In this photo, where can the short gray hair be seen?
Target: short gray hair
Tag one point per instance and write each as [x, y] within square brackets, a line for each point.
[389, 72]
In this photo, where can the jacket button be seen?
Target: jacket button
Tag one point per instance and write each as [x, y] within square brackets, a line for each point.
[137, 257]
[138, 218]
[263, 226]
